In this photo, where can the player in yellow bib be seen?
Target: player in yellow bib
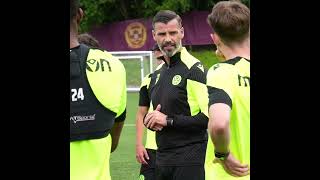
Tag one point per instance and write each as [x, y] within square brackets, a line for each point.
[228, 82]
[97, 105]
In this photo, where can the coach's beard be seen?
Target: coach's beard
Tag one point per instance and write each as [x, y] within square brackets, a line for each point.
[173, 52]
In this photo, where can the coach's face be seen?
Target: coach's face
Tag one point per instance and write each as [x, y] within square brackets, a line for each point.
[168, 37]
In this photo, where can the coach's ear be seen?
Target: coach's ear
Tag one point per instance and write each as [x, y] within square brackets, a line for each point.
[182, 32]
[154, 35]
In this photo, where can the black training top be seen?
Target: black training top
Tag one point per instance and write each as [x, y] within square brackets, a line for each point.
[180, 89]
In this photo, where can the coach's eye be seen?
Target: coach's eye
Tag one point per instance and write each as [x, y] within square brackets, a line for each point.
[173, 33]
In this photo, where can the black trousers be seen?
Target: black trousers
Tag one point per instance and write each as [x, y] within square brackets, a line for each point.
[180, 172]
[147, 171]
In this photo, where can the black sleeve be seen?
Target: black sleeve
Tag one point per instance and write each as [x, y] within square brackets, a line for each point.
[198, 73]
[144, 97]
[218, 96]
[191, 123]
[122, 117]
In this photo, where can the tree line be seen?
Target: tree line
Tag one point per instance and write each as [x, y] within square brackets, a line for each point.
[98, 12]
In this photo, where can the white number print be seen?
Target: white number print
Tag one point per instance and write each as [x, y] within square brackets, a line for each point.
[77, 94]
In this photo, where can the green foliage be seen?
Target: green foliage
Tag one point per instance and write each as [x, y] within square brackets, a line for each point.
[96, 13]
[151, 7]
[246, 2]
[99, 12]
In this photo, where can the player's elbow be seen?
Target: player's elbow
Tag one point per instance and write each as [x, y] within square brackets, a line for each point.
[219, 128]
[219, 119]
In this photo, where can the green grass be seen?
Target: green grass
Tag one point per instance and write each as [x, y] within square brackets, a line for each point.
[133, 71]
[123, 164]
[207, 57]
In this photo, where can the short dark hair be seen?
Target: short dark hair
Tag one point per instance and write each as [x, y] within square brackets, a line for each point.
[164, 16]
[230, 20]
[74, 6]
[88, 40]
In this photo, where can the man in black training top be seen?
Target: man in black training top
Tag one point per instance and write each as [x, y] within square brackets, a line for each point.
[179, 100]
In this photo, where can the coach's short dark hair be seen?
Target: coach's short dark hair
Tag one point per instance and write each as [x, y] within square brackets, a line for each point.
[164, 16]
[74, 6]
[230, 20]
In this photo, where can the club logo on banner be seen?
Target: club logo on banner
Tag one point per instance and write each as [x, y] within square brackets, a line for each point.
[136, 35]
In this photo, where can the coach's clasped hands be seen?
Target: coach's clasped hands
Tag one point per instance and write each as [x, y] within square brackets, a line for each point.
[155, 120]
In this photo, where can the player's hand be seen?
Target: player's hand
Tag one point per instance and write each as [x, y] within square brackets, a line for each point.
[141, 154]
[234, 167]
[155, 120]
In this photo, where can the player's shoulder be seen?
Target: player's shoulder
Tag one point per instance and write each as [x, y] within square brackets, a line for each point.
[220, 72]
[230, 66]
[100, 58]
[100, 53]
[148, 76]
[221, 68]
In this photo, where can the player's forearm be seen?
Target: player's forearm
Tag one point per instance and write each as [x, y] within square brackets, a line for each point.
[191, 123]
[220, 137]
[219, 126]
[115, 134]
[139, 130]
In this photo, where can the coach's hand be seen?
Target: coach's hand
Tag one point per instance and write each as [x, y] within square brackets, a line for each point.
[141, 154]
[234, 167]
[155, 120]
